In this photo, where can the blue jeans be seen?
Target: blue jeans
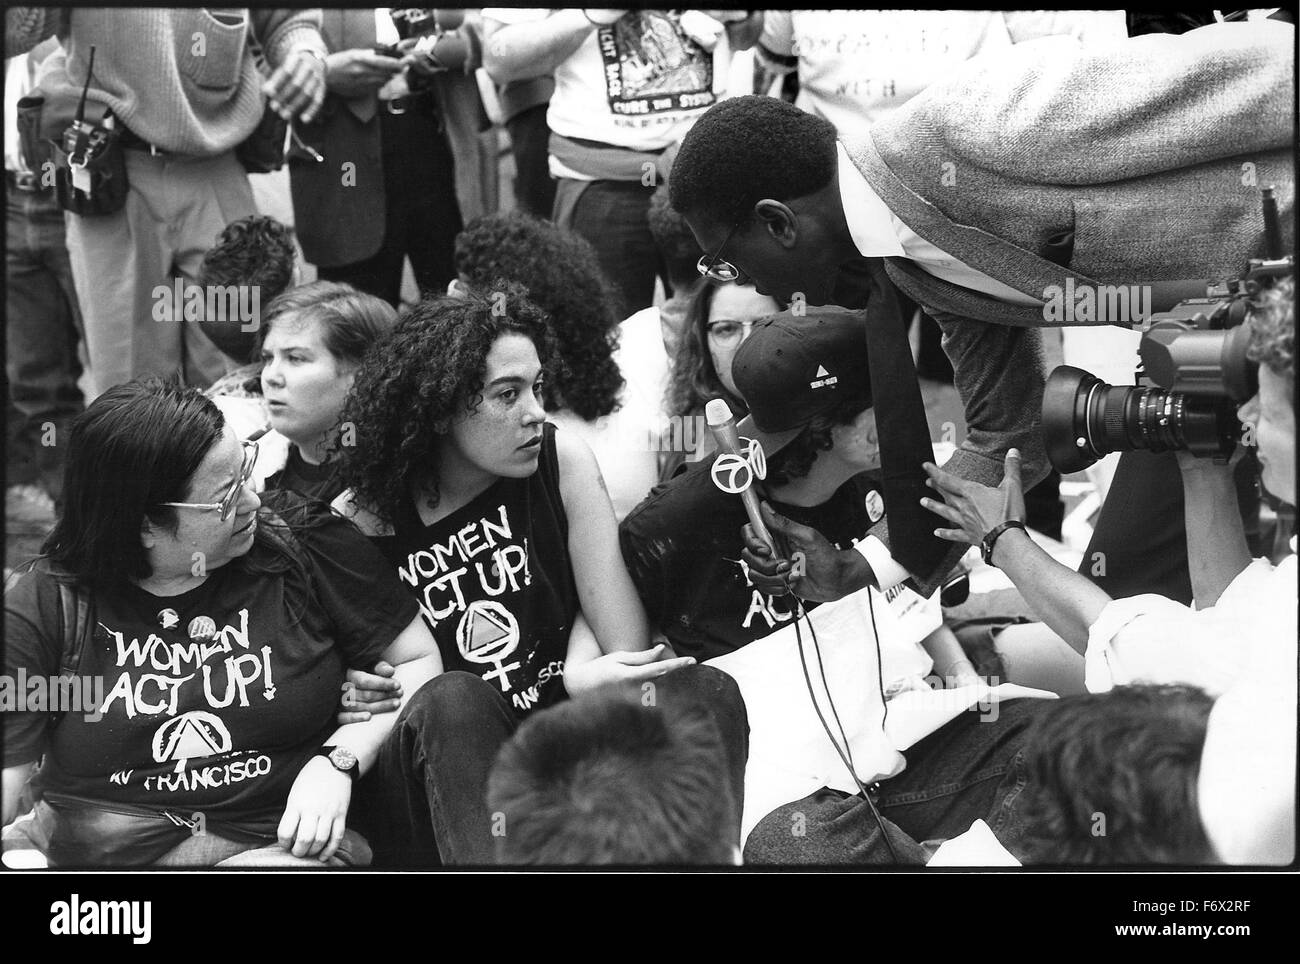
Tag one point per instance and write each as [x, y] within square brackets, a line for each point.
[42, 327]
[424, 802]
[970, 769]
[613, 216]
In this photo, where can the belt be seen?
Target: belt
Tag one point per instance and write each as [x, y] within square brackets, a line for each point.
[400, 105]
[134, 142]
[24, 181]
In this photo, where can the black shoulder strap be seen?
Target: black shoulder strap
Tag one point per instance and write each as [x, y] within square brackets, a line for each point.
[76, 624]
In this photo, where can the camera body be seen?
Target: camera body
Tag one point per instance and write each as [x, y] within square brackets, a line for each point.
[1193, 374]
[434, 35]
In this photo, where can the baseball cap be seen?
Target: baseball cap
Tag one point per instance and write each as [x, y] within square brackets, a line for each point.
[793, 368]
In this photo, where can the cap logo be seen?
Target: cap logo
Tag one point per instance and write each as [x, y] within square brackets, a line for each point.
[824, 379]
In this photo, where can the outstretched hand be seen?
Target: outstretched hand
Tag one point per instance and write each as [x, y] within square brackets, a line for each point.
[973, 508]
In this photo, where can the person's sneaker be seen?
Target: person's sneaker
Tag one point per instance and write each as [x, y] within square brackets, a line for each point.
[29, 510]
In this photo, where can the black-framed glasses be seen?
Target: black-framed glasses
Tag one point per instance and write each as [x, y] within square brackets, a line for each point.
[714, 268]
[231, 498]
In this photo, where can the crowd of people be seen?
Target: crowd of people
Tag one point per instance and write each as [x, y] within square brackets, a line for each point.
[627, 541]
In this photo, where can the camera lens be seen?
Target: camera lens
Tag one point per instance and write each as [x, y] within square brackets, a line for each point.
[1085, 419]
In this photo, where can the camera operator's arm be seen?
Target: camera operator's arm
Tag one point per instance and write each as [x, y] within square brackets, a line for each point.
[517, 51]
[1216, 540]
[1068, 602]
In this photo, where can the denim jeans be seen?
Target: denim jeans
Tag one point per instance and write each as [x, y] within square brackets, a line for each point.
[970, 769]
[424, 802]
[42, 327]
[613, 216]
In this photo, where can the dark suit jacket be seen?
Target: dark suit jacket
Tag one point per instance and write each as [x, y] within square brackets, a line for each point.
[337, 224]
[1120, 164]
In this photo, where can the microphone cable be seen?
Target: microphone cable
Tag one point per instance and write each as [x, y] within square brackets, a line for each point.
[845, 755]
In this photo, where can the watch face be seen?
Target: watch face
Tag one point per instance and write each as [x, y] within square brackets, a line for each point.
[343, 758]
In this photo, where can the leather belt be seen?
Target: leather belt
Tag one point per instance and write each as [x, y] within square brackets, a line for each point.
[134, 142]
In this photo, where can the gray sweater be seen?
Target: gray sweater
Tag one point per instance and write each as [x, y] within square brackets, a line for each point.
[180, 78]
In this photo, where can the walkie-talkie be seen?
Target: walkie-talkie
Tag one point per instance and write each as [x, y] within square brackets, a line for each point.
[91, 171]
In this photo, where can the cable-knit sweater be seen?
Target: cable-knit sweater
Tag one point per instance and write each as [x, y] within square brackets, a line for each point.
[184, 79]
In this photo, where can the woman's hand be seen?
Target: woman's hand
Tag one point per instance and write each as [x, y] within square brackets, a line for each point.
[365, 694]
[975, 509]
[316, 813]
[622, 667]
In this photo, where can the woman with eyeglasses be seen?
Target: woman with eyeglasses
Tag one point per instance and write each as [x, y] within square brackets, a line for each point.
[719, 318]
[216, 635]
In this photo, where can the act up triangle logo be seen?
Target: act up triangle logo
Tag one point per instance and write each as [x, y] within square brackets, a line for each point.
[821, 371]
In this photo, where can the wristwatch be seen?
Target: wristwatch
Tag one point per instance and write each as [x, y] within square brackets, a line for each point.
[342, 759]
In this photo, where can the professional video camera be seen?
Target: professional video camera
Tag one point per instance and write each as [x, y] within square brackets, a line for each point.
[1195, 353]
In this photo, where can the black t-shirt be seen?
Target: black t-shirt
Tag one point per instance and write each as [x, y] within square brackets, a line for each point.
[314, 481]
[682, 548]
[220, 726]
[495, 582]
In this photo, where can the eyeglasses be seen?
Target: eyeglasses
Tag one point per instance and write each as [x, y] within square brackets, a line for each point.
[714, 268]
[725, 331]
[231, 498]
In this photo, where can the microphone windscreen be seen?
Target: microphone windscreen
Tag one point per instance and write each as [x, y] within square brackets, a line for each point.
[717, 412]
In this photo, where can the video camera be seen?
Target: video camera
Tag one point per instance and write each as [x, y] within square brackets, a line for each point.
[1195, 353]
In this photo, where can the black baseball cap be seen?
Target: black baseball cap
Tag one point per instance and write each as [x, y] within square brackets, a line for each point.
[794, 367]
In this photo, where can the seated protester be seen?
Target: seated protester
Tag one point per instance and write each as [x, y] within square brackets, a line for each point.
[606, 397]
[1113, 778]
[605, 779]
[256, 254]
[718, 319]
[221, 631]
[498, 524]
[1242, 636]
[806, 380]
[314, 337]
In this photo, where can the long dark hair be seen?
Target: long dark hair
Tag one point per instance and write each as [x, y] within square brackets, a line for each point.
[560, 274]
[135, 447]
[694, 380]
[417, 380]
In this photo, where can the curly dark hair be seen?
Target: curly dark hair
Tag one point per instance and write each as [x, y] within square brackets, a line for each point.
[255, 252]
[426, 372]
[1112, 778]
[560, 273]
[1272, 329]
[693, 379]
[748, 148]
[796, 458]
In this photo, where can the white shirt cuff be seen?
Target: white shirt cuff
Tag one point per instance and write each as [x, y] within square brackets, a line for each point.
[888, 573]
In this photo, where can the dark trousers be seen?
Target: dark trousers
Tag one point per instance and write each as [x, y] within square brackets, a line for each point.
[1139, 544]
[969, 769]
[424, 802]
[613, 216]
[422, 216]
[42, 328]
[529, 136]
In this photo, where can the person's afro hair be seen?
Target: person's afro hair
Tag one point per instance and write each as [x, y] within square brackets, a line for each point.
[748, 148]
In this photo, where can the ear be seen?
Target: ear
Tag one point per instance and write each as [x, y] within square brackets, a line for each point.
[148, 534]
[779, 221]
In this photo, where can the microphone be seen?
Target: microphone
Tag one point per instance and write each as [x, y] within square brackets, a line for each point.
[723, 426]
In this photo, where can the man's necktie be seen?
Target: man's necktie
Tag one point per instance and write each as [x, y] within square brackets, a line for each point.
[900, 417]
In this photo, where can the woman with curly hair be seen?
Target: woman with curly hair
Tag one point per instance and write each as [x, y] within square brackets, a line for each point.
[718, 320]
[588, 396]
[499, 526]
